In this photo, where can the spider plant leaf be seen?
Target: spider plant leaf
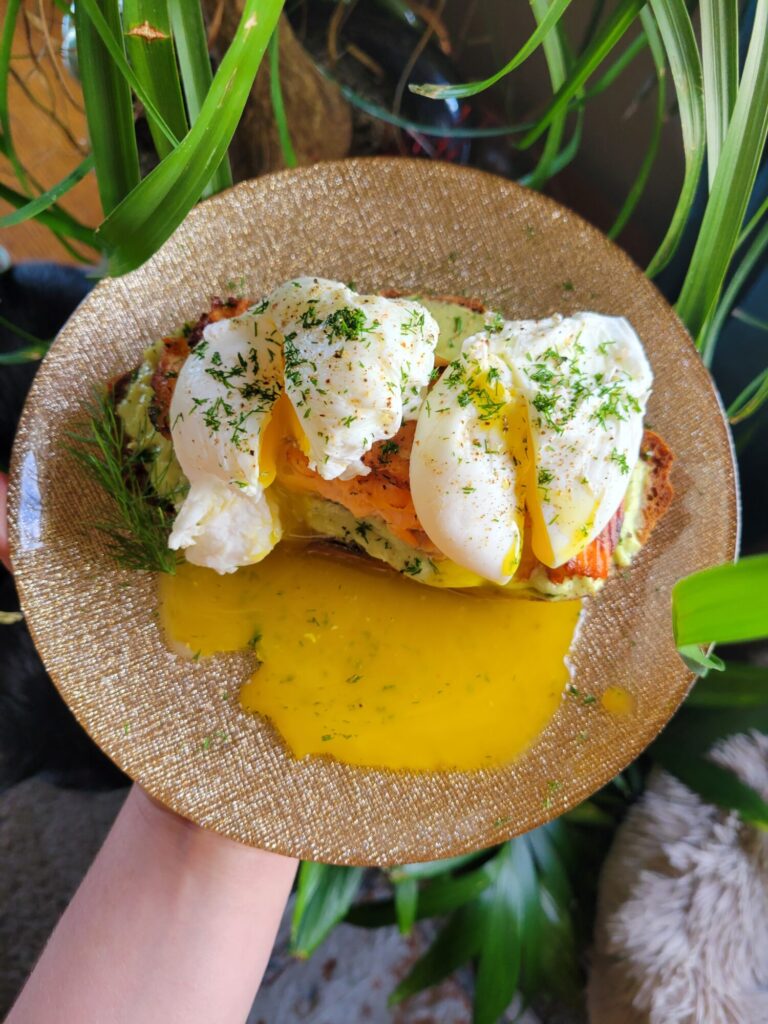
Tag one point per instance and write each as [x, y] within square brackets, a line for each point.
[276, 96]
[622, 62]
[732, 186]
[725, 604]
[434, 868]
[28, 354]
[441, 896]
[25, 335]
[36, 206]
[679, 41]
[694, 730]
[500, 953]
[441, 92]
[54, 218]
[549, 863]
[457, 943]
[638, 185]
[34, 350]
[720, 66]
[752, 223]
[751, 321]
[324, 895]
[739, 686]
[587, 63]
[112, 39]
[6, 45]
[146, 218]
[751, 399]
[700, 660]
[715, 784]
[149, 45]
[406, 901]
[109, 109]
[196, 76]
[554, 48]
[711, 330]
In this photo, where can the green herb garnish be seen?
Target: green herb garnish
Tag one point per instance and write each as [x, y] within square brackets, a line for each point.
[137, 523]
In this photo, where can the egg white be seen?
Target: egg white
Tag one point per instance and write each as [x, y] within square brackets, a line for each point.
[224, 396]
[586, 380]
[353, 368]
[468, 464]
[356, 366]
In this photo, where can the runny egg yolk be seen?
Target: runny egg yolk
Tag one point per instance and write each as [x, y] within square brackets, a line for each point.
[282, 424]
[368, 667]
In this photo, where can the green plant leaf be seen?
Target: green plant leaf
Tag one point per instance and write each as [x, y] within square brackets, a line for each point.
[458, 942]
[149, 44]
[111, 37]
[36, 206]
[622, 62]
[679, 41]
[196, 75]
[711, 331]
[752, 223]
[6, 137]
[696, 729]
[23, 334]
[554, 49]
[716, 785]
[751, 321]
[739, 686]
[146, 218]
[720, 66]
[28, 354]
[638, 185]
[108, 108]
[442, 896]
[751, 399]
[548, 861]
[276, 96]
[604, 41]
[500, 953]
[700, 661]
[34, 350]
[725, 604]
[440, 92]
[732, 185]
[54, 218]
[324, 895]
[434, 868]
[406, 901]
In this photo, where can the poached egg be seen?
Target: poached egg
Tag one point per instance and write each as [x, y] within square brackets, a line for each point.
[336, 370]
[549, 413]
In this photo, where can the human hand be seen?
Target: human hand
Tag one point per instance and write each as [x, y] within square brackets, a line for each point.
[171, 923]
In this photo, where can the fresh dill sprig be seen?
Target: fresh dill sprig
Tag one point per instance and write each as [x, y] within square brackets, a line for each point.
[138, 523]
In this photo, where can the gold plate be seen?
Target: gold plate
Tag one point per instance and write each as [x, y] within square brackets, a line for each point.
[411, 225]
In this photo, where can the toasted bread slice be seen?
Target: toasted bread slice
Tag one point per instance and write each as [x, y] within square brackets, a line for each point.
[376, 512]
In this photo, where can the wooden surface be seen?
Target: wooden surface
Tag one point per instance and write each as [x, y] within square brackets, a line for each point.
[48, 129]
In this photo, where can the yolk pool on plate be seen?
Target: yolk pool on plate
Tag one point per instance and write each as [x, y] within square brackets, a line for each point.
[618, 701]
[362, 664]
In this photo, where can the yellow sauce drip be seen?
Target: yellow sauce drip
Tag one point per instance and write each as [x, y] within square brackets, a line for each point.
[618, 701]
[374, 669]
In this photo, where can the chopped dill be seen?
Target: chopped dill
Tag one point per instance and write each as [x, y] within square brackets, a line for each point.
[137, 523]
[387, 450]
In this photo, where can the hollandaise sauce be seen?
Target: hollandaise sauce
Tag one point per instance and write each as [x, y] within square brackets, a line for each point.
[369, 667]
